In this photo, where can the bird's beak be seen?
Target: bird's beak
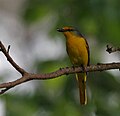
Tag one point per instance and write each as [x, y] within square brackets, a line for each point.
[60, 30]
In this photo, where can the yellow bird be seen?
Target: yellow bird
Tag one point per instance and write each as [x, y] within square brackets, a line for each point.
[78, 52]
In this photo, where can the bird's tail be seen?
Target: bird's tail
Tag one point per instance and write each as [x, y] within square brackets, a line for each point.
[81, 77]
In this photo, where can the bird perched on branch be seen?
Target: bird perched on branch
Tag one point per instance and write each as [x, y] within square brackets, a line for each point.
[78, 52]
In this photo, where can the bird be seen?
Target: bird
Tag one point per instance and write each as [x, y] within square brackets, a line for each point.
[78, 51]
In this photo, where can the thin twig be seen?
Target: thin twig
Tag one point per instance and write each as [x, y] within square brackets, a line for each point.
[6, 53]
[111, 49]
[8, 49]
[4, 90]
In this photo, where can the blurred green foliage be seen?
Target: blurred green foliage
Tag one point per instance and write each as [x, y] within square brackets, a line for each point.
[59, 97]
[97, 17]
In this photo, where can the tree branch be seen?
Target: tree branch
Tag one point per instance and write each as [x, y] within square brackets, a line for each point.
[111, 49]
[62, 71]
[6, 53]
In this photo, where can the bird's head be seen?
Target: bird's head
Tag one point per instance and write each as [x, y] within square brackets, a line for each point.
[69, 31]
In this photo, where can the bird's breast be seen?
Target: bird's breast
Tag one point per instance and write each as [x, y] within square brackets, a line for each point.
[77, 51]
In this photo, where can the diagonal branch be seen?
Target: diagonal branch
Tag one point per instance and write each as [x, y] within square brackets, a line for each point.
[6, 53]
[62, 71]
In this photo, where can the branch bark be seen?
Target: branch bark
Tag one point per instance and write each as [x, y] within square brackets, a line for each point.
[62, 71]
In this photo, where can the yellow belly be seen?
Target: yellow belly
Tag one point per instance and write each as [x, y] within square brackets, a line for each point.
[77, 51]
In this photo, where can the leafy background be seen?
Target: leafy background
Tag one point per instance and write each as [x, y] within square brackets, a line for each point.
[29, 26]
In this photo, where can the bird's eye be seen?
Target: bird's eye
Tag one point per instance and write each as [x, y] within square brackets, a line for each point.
[70, 29]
